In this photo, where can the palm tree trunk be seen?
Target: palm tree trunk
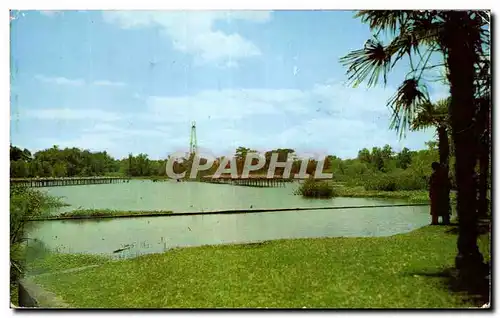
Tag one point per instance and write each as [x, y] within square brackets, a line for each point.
[484, 156]
[444, 145]
[444, 154]
[460, 60]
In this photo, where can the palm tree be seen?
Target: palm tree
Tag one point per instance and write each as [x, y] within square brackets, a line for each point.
[461, 38]
[435, 115]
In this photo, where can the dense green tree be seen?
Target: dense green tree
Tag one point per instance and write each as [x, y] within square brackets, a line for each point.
[18, 154]
[19, 168]
[377, 159]
[403, 158]
[364, 156]
[69, 162]
[59, 170]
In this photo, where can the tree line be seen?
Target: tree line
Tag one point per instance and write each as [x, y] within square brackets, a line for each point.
[74, 162]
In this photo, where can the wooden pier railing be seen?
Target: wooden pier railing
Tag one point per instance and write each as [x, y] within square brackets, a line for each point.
[57, 182]
[252, 181]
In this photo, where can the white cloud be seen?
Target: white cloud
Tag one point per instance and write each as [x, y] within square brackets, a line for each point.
[321, 100]
[221, 105]
[108, 83]
[331, 135]
[51, 13]
[117, 132]
[60, 80]
[193, 31]
[72, 114]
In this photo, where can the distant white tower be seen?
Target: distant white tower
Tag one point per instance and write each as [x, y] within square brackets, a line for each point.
[193, 143]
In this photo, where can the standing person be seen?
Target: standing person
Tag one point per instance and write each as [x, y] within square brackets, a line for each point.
[439, 189]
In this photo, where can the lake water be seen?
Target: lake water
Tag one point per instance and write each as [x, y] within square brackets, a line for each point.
[145, 195]
[157, 234]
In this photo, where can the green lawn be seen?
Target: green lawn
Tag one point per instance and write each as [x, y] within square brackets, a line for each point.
[53, 262]
[384, 272]
[41, 261]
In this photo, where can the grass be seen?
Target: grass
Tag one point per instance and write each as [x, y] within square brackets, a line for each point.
[14, 294]
[39, 260]
[98, 213]
[400, 271]
[54, 262]
[413, 196]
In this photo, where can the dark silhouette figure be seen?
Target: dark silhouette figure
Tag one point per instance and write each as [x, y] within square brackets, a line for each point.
[439, 189]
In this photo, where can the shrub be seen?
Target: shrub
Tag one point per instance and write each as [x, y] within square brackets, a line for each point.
[25, 203]
[380, 182]
[408, 181]
[316, 189]
[397, 181]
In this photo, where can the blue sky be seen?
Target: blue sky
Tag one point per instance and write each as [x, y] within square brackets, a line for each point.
[132, 81]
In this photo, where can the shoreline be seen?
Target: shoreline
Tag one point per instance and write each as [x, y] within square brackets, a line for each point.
[128, 214]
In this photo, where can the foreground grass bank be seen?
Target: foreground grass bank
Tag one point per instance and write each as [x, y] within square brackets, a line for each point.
[25, 204]
[400, 271]
[54, 262]
[36, 260]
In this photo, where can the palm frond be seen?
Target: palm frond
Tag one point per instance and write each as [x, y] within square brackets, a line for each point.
[369, 61]
[412, 30]
[404, 44]
[404, 104]
[429, 115]
[481, 17]
[384, 20]
[441, 108]
[426, 27]
[422, 121]
[424, 117]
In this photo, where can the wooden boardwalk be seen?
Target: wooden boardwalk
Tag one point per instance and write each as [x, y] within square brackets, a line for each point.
[260, 181]
[57, 182]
